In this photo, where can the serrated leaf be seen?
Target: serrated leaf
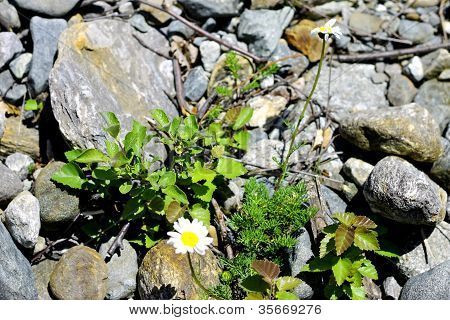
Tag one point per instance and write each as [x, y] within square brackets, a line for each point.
[204, 191]
[287, 283]
[345, 218]
[326, 245]
[160, 116]
[73, 154]
[167, 179]
[176, 193]
[366, 239]
[320, 265]
[201, 214]
[174, 211]
[201, 173]
[341, 270]
[254, 283]
[91, 156]
[364, 222]
[332, 292]
[70, 175]
[125, 188]
[242, 138]
[230, 168]
[33, 105]
[283, 295]
[368, 270]
[254, 296]
[386, 254]
[267, 269]
[343, 238]
[330, 229]
[243, 118]
[113, 124]
[355, 292]
[218, 151]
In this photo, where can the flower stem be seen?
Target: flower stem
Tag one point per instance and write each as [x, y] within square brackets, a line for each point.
[295, 133]
[197, 281]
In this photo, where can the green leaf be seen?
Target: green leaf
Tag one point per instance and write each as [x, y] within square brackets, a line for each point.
[326, 245]
[167, 179]
[112, 148]
[174, 125]
[287, 283]
[343, 239]
[125, 188]
[174, 211]
[242, 138]
[73, 154]
[368, 270]
[70, 175]
[113, 124]
[355, 292]
[201, 214]
[387, 254]
[254, 296]
[161, 117]
[176, 193]
[190, 128]
[366, 239]
[364, 222]
[104, 173]
[341, 270]
[332, 292]
[244, 117]
[33, 105]
[91, 156]
[201, 173]
[230, 168]
[283, 295]
[224, 91]
[254, 283]
[134, 140]
[345, 218]
[133, 208]
[320, 265]
[204, 192]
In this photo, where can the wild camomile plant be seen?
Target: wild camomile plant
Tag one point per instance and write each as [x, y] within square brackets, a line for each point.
[325, 32]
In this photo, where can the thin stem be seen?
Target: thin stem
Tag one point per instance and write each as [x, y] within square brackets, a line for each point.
[285, 163]
[197, 281]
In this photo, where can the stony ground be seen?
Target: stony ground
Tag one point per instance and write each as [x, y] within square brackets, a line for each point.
[388, 116]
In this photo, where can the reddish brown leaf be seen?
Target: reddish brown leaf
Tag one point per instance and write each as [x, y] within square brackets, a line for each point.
[267, 269]
[343, 239]
[363, 222]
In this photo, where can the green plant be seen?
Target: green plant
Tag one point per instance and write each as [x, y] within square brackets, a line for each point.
[267, 285]
[342, 251]
[198, 162]
[33, 105]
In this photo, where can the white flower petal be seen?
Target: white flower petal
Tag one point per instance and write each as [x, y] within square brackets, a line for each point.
[199, 251]
[330, 23]
[174, 234]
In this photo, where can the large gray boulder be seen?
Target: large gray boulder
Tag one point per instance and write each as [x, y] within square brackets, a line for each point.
[16, 278]
[398, 191]
[94, 73]
[431, 285]
[54, 8]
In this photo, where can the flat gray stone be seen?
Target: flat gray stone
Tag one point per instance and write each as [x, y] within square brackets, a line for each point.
[16, 278]
[293, 65]
[16, 93]
[10, 45]
[6, 82]
[42, 272]
[11, 184]
[21, 65]
[9, 18]
[441, 168]
[398, 191]
[54, 8]
[211, 8]
[391, 288]
[401, 90]
[19, 163]
[210, 53]
[262, 154]
[196, 84]
[417, 32]
[357, 170]
[435, 62]
[45, 34]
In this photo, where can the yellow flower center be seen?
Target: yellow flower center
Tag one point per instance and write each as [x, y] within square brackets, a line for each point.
[189, 239]
[325, 29]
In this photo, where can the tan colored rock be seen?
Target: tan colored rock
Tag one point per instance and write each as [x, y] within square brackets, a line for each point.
[265, 4]
[19, 138]
[42, 272]
[435, 62]
[300, 37]
[266, 108]
[164, 274]
[364, 23]
[408, 130]
[159, 15]
[81, 274]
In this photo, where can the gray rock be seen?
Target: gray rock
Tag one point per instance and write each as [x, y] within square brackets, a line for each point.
[391, 288]
[262, 29]
[16, 93]
[256, 135]
[266, 109]
[398, 191]
[415, 69]
[211, 8]
[423, 249]
[16, 278]
[126, 8]
[6, 82]
[18, 137]
[210, 53]
[22, 219]
[401, 90]
[435, 62]
[346, 79]
[138, 22]
[379, 77]
[231, 39]
[122, 270]
[59, 205]
[262, 154]
[393, 69]
[10, 45]
[80, 90]
[2, 124]
[295, 65]
[357, 170]
[299, 256]
[54, 8]
[81, 274]
[364, 23]
[210, 25]
[334, 202]
[179, 28]
[444, 75]
[9, 18]
[234, 202]
[11, 185]
[19, 163]
[332, 8]
[417, 32]
[265, 4]
[196, 84]
[42, 272]
[408, 130]
[45, 34]
[431, 285]
[21, 65]
[441, 168]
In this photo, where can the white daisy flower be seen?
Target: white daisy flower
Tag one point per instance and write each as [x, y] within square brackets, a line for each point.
[190, 237]
[327, 30]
